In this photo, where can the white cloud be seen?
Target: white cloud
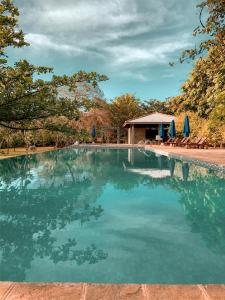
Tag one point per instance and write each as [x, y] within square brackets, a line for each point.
[119, 32]
[158, 53]
[43, 41]
[139, 76]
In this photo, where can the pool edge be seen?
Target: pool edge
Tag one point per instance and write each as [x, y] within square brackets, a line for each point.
[91, 291]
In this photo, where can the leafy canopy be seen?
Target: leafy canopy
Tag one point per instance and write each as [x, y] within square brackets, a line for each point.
[123, 108]
[25, 99]
[9, 34]
[212, 24]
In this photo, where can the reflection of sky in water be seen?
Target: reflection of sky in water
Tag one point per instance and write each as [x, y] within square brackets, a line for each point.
[132, 221]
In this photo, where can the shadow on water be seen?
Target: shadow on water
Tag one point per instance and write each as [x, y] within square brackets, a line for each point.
[43, 194]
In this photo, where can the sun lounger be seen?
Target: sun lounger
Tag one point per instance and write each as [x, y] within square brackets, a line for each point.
[180, 142]
[195, 143]
[176, 142]
[204, 144]
[185, 142]
[168, 142]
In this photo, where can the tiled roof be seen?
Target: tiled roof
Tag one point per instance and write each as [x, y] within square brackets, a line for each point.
[155, 118]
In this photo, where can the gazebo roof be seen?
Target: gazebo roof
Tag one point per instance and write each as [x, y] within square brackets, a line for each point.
[155, 118]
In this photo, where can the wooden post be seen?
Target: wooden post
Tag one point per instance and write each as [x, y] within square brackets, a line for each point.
[129, 135]
[118, 135]
[132, 134]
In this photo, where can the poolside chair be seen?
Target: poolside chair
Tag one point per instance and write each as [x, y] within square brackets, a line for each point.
[185, 142]
[180, 142]
[168, 142]
[195, 143]
[176, 142]
[204, 144]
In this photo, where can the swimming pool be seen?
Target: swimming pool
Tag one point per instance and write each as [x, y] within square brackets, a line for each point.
[111, 216]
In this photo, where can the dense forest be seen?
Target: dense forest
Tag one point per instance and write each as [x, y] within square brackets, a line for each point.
[65, 109]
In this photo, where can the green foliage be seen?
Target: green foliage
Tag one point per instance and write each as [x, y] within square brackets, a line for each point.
[155, 105]
[123, 108]
[213, 28]
[27, 103]
[9, 35]
[24, 99]
[203, 92]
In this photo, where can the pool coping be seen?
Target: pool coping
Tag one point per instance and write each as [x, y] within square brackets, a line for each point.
[92, 291]
[189, 159]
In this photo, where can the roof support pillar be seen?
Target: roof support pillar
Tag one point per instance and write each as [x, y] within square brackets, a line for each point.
[132, 134]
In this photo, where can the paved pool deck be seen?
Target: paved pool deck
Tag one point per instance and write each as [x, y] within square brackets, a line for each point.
[84, 291]
[209, 156]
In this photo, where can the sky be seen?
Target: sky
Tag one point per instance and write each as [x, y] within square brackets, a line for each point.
[130, 41]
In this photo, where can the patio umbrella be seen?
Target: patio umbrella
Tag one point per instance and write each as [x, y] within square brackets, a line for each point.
[93, 132]
[186, 129]
[172, 130]
[161, 131]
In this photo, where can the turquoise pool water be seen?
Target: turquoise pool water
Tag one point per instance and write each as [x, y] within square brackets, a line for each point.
[120, 216]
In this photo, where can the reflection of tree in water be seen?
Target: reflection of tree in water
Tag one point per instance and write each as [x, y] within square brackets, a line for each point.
[204, 202]
[68, 184]
[29, 216]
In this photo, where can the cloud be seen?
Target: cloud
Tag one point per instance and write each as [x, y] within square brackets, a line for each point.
[157, 53]
[40, 41]
[138, 75]
[119, 32]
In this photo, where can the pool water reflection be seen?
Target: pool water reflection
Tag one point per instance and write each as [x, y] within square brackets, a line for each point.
[109, 215]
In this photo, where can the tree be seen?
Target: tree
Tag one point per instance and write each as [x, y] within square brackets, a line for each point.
[24, 99]
[97, 116]
[123, 108]
[155, 105]
[9, 35]
[203, 91]
[213, 27]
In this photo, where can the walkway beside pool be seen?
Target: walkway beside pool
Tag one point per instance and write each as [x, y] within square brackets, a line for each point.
[210, 156]
[83, 291]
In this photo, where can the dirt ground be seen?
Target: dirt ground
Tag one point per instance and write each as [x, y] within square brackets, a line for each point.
[7, 153]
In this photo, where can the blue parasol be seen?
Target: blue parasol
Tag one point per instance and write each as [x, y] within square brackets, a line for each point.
[186, 129]
[172, 130]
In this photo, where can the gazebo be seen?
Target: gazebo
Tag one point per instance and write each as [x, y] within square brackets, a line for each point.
[147, 127]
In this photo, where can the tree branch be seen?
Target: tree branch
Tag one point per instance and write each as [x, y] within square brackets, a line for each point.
[20, 128]
[200, 17]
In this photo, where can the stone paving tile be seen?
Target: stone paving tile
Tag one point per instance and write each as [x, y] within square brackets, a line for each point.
[101, 292]
[73, 291]
[169, 292]
[215, 292]
[42, 291]
[5, 288]
[131, 291]
[114, 292]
